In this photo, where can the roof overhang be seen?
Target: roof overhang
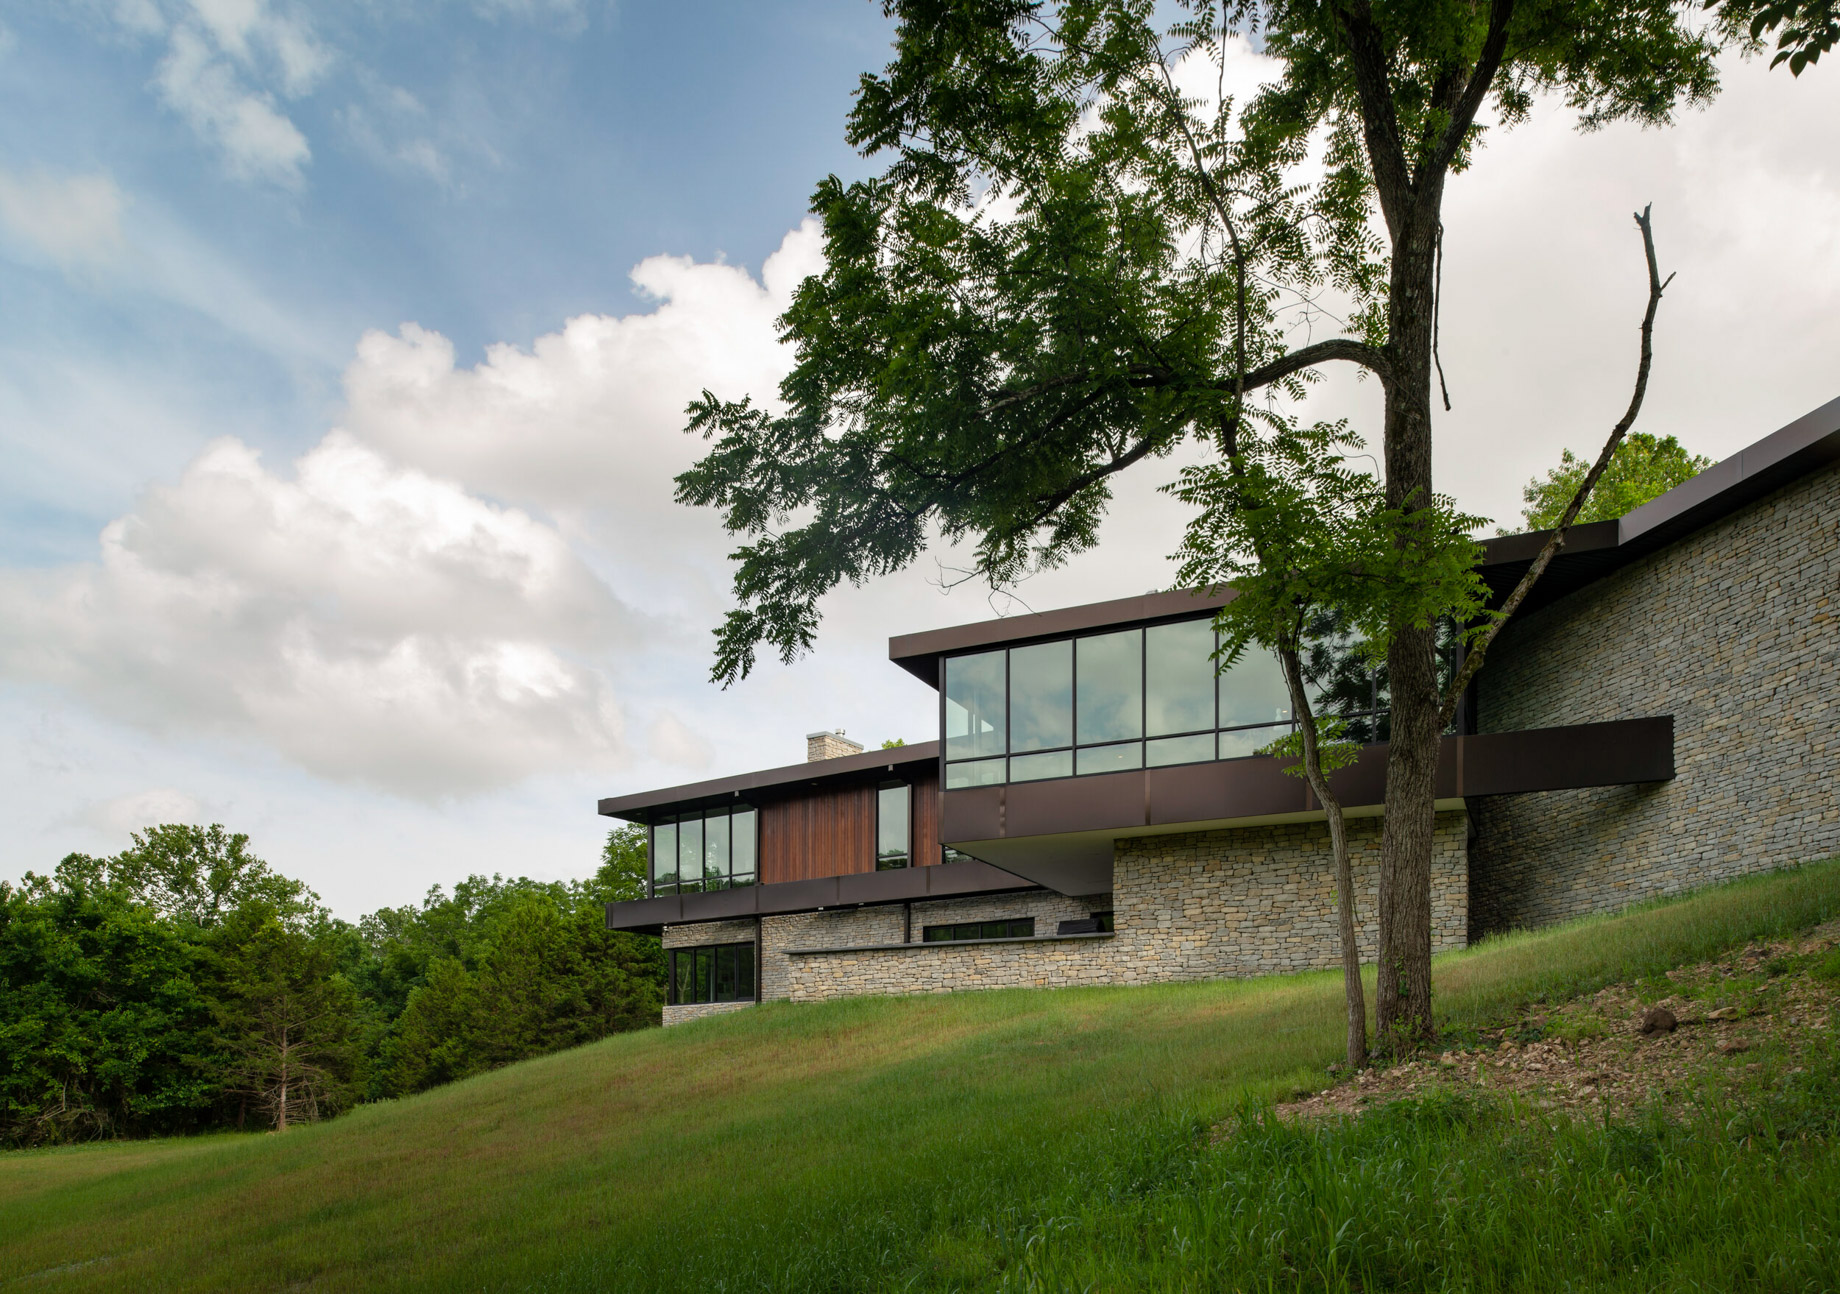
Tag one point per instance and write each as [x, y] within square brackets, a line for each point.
[1059, 833]
[642, 806]
[859, 889]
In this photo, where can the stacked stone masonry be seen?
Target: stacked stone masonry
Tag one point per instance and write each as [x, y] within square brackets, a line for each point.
[1239, 902]
[1734, 631]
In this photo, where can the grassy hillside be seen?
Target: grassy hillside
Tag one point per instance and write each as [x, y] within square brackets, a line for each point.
[1055, 1139]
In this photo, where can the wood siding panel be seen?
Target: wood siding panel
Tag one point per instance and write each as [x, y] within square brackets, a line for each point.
[831, 831]
[926, 817]
[820, 833]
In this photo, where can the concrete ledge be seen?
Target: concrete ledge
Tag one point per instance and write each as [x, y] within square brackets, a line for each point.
[950, 943]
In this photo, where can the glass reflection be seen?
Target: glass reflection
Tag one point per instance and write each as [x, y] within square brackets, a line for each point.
[974, 705]
[891, 829]
[1110, 759]
[1253, 691]
[1179, 750]
[1242, 742]
[715, 852]
[1179, 678]
[1033, 768]
[743, 850]
[690, 853]
[1041, 696]
[664, 856]
[1109, 687]
[979, 772]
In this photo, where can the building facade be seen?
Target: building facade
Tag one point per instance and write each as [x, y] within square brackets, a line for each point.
[1095, 809]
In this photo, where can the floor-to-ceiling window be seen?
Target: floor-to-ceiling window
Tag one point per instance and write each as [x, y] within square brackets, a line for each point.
[1105, 702]
[713, 849]
[720, 973]
[893, 825]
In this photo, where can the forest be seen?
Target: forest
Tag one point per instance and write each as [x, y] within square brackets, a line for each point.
[183, 985]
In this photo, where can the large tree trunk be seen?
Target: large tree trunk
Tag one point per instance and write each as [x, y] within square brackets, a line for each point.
[1403, 994]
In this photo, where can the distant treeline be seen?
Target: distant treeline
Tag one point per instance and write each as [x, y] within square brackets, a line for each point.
[185, 986]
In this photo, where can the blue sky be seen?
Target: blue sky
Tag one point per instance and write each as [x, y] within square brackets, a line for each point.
[486, 171]
[343, 361]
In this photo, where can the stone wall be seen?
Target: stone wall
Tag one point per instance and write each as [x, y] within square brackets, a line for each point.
[1240, 902]
[1261, 900]
[697, 1010]
[1735, 631]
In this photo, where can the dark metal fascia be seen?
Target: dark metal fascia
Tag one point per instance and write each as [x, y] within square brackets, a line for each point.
[637, 807]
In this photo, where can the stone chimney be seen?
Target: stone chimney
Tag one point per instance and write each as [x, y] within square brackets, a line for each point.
[829, 745]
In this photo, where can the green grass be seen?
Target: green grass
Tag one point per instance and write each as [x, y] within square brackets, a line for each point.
[1021, 1139]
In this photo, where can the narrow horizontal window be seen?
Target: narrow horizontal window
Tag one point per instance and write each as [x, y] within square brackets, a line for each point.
[1242, 742]
[1006, 928]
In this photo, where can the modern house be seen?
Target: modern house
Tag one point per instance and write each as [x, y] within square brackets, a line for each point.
[1662, 713]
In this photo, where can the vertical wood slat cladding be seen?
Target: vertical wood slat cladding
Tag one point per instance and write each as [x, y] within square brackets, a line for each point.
[926, 817]
[831, 831]
[819, 833]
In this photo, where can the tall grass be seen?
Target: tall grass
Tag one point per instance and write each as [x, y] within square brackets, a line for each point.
[1045, 1139]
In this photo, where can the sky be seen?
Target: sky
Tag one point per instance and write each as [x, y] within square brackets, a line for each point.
[344, 359]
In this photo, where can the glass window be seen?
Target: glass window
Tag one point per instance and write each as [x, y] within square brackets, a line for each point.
[1008, 928]
[1241, 742]
[718, 973]
[974, 705]
[742, 848]
[1179, 750]
[689, 853]
[664, 858]
[1110, 759]
[1033, 768]
[1179, 678]
[1041, 696]
[982, 772]
[1109, 687]
[891, 826]
[705, 973]
[715, 852]
[725, 973]
[1253, 691]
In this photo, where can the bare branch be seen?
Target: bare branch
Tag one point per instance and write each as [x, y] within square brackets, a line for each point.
[1473, 659]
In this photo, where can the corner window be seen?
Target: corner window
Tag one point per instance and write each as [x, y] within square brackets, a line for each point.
[1123, 700]
[719, 973]
[712, 850]
[1011, 928]
[892, 801]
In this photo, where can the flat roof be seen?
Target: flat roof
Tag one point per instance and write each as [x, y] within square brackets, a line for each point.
[1591, 550]
[635, 807]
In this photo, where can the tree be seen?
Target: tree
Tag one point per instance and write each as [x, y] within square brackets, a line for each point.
[197, 874]
[1303, 539]
[622, 873]
[1642, 468]
[288, 1021]
[1806, 29]
[104, 1015]
[1071, 265]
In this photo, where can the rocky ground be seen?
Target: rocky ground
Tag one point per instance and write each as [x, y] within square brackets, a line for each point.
[1701, 1033]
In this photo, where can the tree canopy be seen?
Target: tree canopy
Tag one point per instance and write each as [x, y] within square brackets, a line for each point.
[1040, 290]
[1642, 468]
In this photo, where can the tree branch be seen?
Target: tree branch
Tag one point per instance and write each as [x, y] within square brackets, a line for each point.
[1473, 660]
[1469, 103]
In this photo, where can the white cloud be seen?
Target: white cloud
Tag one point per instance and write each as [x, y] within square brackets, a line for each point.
[671, 741]
[371, 623]
[74, 219]
[258, 141]
[593, 414]
[142, 809]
